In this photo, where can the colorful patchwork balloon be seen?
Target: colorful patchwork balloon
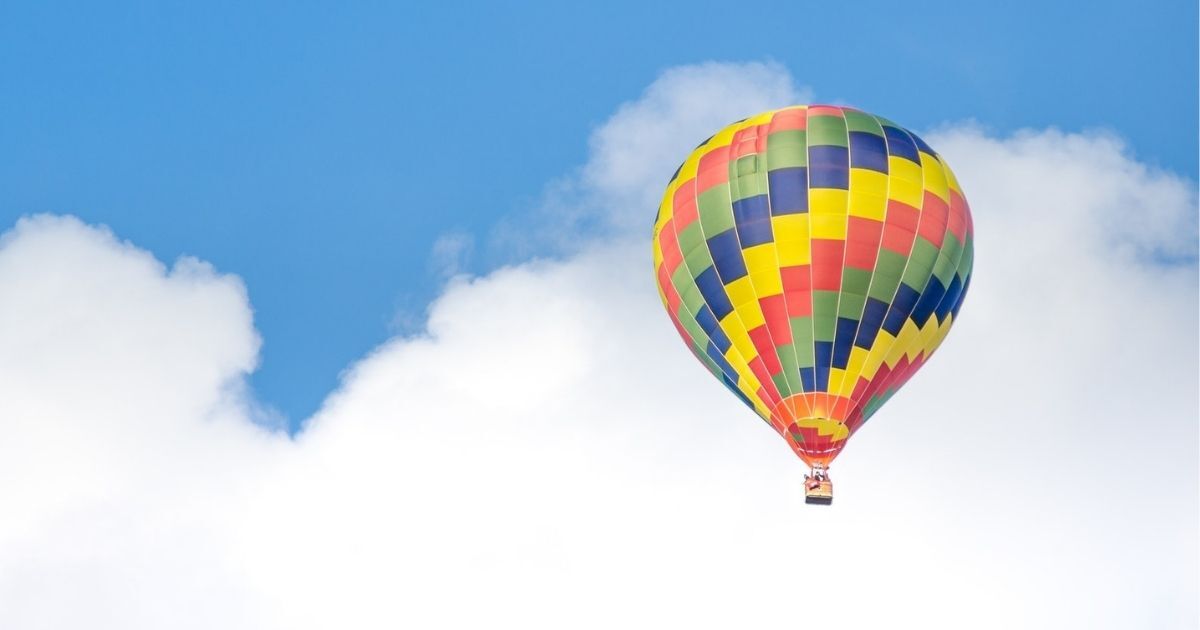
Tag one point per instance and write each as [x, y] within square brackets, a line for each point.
[813, 258]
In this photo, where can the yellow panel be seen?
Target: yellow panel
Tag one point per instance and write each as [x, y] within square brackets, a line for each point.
[855, 365]
[934, 178]
[951, 180]
[751, 314]
[760, 119]
[790, 228]
[883, 342]
[740, 291]
[906, 339]
[868, 205]
[903, 169]
[760, 258]
[825, 426]
[835, 379]
[793, 253]
[767, 283]
[864, 180]
[829, 226]
[827, 200]
[907, 192]
[732, 325]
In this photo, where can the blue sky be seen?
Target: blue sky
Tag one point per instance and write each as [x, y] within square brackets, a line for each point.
[320, 152]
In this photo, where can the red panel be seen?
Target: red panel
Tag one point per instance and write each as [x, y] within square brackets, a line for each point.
[664, 281]
[862, 242]
[827, 264]
[900, 227]
[789, 119]
[684, 205]
[714, 169]
[767, 386]
[775, 312]
[824, 110]
[761, 337]
[957, 221]
[933, 219]
[797, 286]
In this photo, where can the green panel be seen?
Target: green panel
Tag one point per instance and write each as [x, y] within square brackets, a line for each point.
[968, 257]
[693, 328]
[944, 268]
[886, 278]
[858, 121]
[787, 358]
[920, 264]
[855, 280]
[716, 211]
[802, 336]
[745, 165]
[747, 180]
[698, 260]
[781, 384]
[787, 148]
[691, 237]
[827, 130]
[851, 305]
[824, 314]
[692, 298]
[750, 186]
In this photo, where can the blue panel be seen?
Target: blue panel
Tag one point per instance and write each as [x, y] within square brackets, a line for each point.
[824, 355]
[753, 219]
[921, 144]
[843, 340]
[714, 293]
[808, 379]
[727, 256]
[732, 385]
[929, 300]
[828, 167]
[751, 209]
[872, 319]
[719, 359]
[788, 190]
[868, 150]
[900, 144]
[708, 323]
[755, 233]
[902, 305]
[961, 297]
[949, 300]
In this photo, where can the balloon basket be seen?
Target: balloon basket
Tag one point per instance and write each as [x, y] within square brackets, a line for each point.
[819, 494]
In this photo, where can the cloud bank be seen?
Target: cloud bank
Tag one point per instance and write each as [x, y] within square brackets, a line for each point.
[546, 454]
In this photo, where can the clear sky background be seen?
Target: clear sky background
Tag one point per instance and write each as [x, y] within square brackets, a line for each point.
[321, 151]
[424, 238]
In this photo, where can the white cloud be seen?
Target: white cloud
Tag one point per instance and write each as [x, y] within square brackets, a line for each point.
[547, 454]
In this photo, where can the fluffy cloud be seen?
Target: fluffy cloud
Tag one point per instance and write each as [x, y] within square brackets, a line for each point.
[546, 454]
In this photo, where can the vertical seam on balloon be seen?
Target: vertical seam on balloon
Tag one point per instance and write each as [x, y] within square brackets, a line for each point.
[842, 271]
[908, 259]
[683, 261]
[728, 148]
[891, 377]
[742, 251]
[812, 318]
[894, 377]
[887, 189]
[683, 305]
[778, 262]
[731, 165]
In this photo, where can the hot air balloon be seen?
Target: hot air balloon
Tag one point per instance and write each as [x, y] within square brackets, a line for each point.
[813, 258]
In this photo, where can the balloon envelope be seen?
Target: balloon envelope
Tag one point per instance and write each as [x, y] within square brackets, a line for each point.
[813, 258]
